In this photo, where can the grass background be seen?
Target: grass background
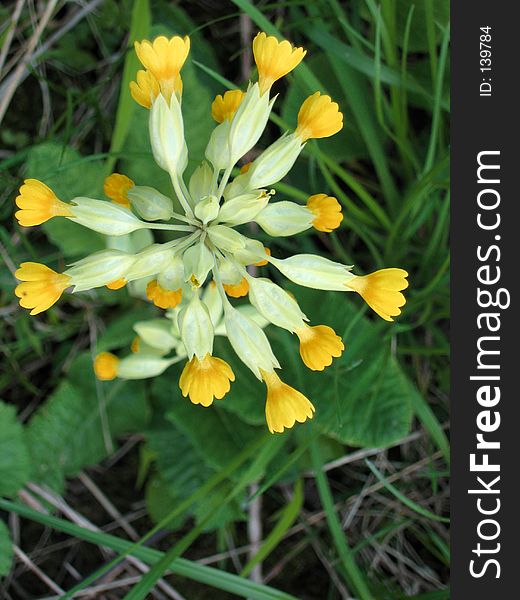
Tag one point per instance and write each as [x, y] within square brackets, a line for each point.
[124, 490]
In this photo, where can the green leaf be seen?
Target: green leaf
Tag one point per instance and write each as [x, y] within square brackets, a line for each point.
[182, 469]
[6, 550]
[14, 458]
[77, 426]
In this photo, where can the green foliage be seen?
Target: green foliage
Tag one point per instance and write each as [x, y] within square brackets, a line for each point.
[78, 425]
[6, 550]
[14, 458]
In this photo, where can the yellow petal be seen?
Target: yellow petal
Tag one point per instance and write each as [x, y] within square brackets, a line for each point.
[225, 107]
[41, 286]
[238, 290]
[116, 187]
[38, 204]
[163, 298]
[381, 290]
[206, 379]
[319, 117]
[318, 346]
[105, 366]
[327, 211]
[274, 59]
[284, 406]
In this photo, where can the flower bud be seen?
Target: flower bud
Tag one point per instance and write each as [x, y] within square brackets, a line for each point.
[167, 135]
[157, 333]
[172, 277]
[150, 261]
[226, 238]
[244, 208]
[213, 302]
[99, 269]
[285, 218]
[310, 270]
[198, 262]
[200, 181]
[253, 252]
[249, 342]
[249, 122]
[150, 204]
[107, 218]
[196, 329]
[228, 272]
[275, 304]
[275, 162]
[217, 150]
[142, 366]
[207, 209]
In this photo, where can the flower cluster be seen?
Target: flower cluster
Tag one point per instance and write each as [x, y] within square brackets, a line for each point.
[208, 261]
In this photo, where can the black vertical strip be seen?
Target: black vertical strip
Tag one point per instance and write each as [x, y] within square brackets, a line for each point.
[485, 271]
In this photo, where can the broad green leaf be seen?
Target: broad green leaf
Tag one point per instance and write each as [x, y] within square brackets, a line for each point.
[182, 470]
[78, 425]
[6, 550]
[14, 458]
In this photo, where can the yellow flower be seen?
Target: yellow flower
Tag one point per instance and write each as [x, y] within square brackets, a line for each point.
[262, 263]
[38, 203]
[161, 297]
[163, 58]
[238, 290]
[136, 342]
[105, 366]
[203, 380]
[381, 290]
[318, 346]
[145, 89]
[225, 107]
[327, 210]
[117, 284]
[274, 59]
[319, 117]
[284, 405]
[116, 187]
[42, 286]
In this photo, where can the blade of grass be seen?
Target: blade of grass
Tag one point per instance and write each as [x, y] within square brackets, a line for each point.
[289, 515]
[179, 510]
[182, 567]
[404, 499]
[352, 571]
[139, 27]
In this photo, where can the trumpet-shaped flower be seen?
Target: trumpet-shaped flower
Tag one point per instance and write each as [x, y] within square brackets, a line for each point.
[274, 59]
[116, 187]
[38, 203]
[326, 211]
[319, 117]
[204, 262]
[205, 379]
[318, 346]
[381, 290]
[163, 298]
[284, 405]
[106, 366]
[224, 107]
[41, 287]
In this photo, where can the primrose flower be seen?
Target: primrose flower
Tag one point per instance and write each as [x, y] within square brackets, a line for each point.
[210, 259]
